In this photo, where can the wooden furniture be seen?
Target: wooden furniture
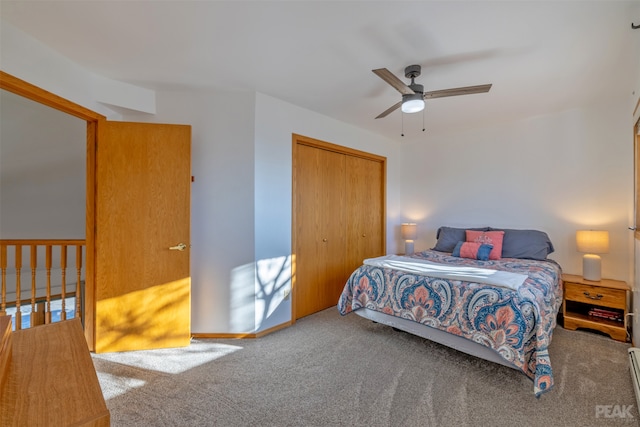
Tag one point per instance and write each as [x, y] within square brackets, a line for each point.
[51, 379]
[338, 219]
[5, 348]
[582, 296]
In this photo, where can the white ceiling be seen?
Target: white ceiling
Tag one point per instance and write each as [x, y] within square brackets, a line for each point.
[540, 56]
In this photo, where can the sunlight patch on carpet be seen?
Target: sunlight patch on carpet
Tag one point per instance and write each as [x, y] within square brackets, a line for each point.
[116, 385]
[171, 360]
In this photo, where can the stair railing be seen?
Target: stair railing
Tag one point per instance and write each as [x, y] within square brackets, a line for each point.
[47, 285]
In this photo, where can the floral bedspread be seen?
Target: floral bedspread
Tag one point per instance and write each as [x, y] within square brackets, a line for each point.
[518, 325]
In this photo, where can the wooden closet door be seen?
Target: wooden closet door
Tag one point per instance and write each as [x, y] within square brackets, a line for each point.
[320, 229]
[364, 208]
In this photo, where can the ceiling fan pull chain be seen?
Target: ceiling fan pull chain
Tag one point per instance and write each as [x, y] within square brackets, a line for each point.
[423, 120]
[402, 116]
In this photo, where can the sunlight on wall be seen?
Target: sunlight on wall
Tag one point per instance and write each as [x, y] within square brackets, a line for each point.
[241, 315]
[257, 291]
[273, 282]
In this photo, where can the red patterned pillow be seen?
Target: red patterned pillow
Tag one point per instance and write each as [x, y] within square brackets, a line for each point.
[488, 238]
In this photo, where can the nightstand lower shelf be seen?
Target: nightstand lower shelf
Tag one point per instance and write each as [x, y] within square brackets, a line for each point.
[615, 330]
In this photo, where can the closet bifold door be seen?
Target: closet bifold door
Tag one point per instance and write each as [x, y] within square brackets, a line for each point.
[320, 225]
[338, 219]
[364, 182]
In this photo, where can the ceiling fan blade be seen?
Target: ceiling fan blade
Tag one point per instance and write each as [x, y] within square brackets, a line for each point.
[390, 78]
[389, 110]
[468, 90]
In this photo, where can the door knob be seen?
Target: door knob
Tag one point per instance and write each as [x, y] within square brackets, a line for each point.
[178, 247]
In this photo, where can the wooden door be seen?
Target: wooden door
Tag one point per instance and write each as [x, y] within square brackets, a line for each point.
[142, 208]
[365, 205]
[320, 225]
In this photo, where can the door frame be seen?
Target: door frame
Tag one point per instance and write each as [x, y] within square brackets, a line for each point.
[27, 90]
[312, 142]
[635, 324]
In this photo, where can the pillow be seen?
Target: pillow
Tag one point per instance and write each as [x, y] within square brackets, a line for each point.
[490, 238]
[448, 237]
[472, 250]
[525, 244]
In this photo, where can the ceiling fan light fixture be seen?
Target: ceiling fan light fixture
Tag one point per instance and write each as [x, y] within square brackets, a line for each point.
[413, 95]
[412, 103]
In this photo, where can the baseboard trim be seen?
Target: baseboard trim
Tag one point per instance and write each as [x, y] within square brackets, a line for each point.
[241, 335]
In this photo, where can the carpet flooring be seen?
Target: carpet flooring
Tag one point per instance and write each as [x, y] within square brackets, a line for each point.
[329, 370]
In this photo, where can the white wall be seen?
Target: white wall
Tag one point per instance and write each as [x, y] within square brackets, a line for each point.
[557, 173]
[42, 171]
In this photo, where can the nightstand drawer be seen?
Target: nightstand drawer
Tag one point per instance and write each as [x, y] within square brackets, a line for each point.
[596, 295]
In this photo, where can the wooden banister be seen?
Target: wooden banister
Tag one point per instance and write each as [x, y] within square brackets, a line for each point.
[63, 267]
[78, 280]
[18, 257]
[43, 284]
[42, 242]
[3, 268]
[34, 266]
[48, 294]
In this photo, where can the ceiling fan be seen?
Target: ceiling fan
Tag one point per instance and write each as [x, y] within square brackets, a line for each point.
[413, 95]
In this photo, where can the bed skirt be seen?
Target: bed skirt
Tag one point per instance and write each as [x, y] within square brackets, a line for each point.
[441, 337]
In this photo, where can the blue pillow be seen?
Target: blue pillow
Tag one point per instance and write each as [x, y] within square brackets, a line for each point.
[472, 250]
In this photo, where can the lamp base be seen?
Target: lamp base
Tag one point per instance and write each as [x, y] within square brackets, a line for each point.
[408, 247]
[591, 267]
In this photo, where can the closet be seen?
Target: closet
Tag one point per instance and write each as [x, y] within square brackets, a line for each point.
[338, 219]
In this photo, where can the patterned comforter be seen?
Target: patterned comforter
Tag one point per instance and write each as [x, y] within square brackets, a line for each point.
[518, 325]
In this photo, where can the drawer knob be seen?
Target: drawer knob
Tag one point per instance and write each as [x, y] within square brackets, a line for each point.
[596, 296]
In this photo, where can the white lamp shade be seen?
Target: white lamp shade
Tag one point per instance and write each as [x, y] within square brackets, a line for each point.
[592, 241]
[409, 231]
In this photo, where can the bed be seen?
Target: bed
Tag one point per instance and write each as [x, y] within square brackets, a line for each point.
[449, 294]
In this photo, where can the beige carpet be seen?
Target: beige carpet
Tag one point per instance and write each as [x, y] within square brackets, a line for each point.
[330, 370]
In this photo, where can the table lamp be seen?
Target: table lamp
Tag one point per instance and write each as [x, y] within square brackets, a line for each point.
[409, 232]
[592, 243]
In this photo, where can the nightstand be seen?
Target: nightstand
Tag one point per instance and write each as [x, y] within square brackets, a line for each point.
[601, 306]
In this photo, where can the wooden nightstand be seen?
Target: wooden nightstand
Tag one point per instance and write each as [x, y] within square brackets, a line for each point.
[585, 302]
